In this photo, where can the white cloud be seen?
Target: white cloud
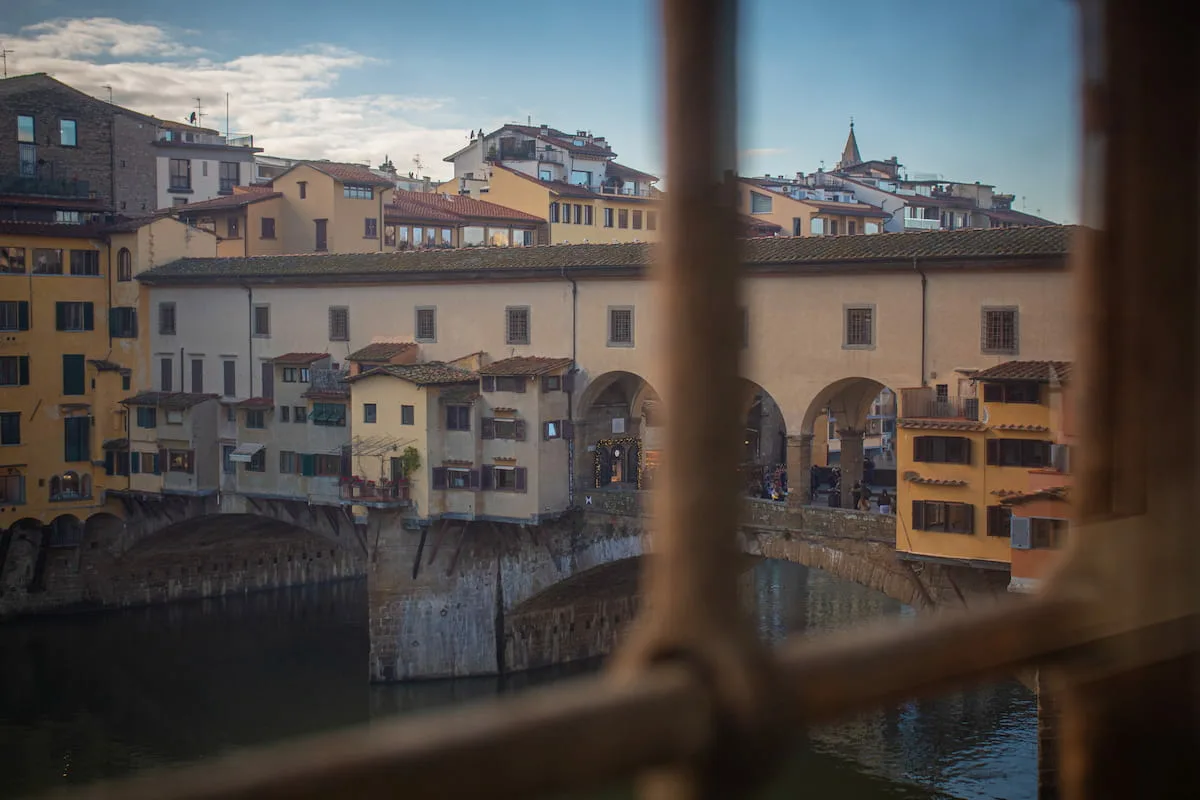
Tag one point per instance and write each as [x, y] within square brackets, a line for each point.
[762, 151]
[289, 100]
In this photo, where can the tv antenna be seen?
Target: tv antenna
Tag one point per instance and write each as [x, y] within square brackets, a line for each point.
[4, 58]
[197, 116]
[109, 87]
[418, 164]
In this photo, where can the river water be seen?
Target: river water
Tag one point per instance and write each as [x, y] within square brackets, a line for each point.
[99, 695]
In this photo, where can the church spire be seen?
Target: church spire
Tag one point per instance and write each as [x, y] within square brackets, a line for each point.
[850, 154]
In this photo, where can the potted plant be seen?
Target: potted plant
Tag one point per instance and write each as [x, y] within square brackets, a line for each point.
[410, 462]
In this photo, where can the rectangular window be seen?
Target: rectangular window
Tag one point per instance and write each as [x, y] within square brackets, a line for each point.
[620, 326]
[257, 462]
[339, 324]
[370, 228]
[198, 375]
[458, 418]
[24, 128]
[122, 323]
[1047, 533]
[1014, 392]
[504, 478]
[940, 517]
[285, 413]
[552, 429]
[587, 215]
[851, 227]
[180, 461]
[12, 260]
[14, 315]
[327, 465]
[27, 160]
[268, 227]
[303, 187]
[300, 414]
[166, 319]
[233, 228]
[181, 175]
[10, 427]
[860, 326]
[355, 192]
[554, 212]
[68, 217]
[70, 316]
[14, 370]
[288, 375]
[1018, 452]
[408, 415]
[457, 478]
[288, 463]
[67, 133]
[331, 415]
[230, 176]
[12, 490]
[833, 227]
[608, 217]
[165, 372]
[426, 324]
[578, 214]
[85, 262]
[229, 369]
[147, 417]
[999, 335]
[999, 518]
[942, 449]
[637, 220]
[262, 320]
[369, 411]
[760, 203]
[47, 261]
[74, 379]
[77, 440]
[256, 418]
[623, 218]
[516, 325]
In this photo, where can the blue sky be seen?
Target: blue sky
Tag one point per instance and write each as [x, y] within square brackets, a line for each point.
[967, 90]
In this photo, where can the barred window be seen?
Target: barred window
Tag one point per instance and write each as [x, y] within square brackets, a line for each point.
[516, 327]
[999, 331]
[339, 324]
[860, 326]
[620, 327]
[426, 327]
[166, 319]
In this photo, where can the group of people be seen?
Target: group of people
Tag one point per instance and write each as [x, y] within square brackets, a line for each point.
[860, 494]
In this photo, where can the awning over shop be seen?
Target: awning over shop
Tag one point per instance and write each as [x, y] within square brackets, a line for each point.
[244, 452]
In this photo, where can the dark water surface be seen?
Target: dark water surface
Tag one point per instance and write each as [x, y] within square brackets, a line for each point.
[85, 697]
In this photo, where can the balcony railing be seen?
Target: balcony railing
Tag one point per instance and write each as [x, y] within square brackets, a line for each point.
[352, 491]
[240, 140]
[918, 405]
[47, 187]
[622, 191]
[914, 224]
[550, 156]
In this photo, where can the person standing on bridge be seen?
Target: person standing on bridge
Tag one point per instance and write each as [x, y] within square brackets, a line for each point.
[885, 502]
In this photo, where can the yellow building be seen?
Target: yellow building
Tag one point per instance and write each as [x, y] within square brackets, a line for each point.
[810, 215]
[578, 214]
[73, 343]
[960, 457]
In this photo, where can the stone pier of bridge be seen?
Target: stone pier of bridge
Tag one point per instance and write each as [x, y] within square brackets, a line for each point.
[459, 598]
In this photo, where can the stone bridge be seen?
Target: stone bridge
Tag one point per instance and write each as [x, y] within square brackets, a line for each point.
[140, 550]
[479, 598]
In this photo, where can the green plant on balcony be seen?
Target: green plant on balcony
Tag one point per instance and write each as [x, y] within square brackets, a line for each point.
[410, 462]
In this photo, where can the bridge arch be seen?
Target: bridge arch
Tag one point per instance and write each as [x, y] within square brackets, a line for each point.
[764, 441]
[618, 426]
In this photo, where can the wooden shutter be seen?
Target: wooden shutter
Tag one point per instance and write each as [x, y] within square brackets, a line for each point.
[89, 317]
[568, 429]
[488, 383]
[268, 379]
[920, 448]
[487, 477]
[966, 450]
[308, 464]
[568, 382]
[73, 375]
[159, 464]
[109, 462]
[918, 515]
[473, 479]
[519, 479]
[439, 477]
[519, 430]
[135, 462]
[487, 428]
[60, 316]
[22, 370]
[164, 464]
[1021, 533]
[546, 383]
[22, 315]
[518, 384]
[993, 452]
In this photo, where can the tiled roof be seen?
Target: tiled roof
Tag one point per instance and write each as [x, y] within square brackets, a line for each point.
[749, 224]
[941, 425]
[560, 139]
[380, 351]
[131, 224]
[226, 203]
[103, 365]
[848, 209]
[460, 393]
[115, 444]
[525, 365]
[925, 201]
[432, 373]
[257, 402]
[1017, 498]
[628, 173]
[327, 383]
[811, 253]
[299, 359]
[560, 188]
[348, 173]
[458, 209]
[171, 400]
[1014, 217]
[1026, 428]
[913, 477]
[1040, 371]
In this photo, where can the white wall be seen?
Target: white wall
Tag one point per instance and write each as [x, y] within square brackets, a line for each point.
[204, 187]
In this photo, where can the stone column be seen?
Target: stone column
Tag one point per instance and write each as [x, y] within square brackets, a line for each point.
[851, 463]
[799, 464]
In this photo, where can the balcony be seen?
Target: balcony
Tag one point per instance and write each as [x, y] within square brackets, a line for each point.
[363, 492]
[913, 224]
[921, 404]
[622, 191]
[45, 187]
[550, 156]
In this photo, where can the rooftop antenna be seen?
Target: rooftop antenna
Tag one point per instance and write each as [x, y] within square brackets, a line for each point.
[4, 58]
[419, 165]
[109, 87]
[226, 116]
[198, 117]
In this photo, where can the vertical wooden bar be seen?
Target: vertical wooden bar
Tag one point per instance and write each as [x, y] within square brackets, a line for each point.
[1131, 731]
[693, 615]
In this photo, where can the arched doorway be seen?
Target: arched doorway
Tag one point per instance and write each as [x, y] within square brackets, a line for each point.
[764, 442]
[619, 424]
[853, 428]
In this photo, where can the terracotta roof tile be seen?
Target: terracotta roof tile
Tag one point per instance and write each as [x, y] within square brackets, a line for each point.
[63, 202]
[1039, 371]
[1011, 217]
[455, 208]
[628, 173]
[754, 226]
[913, 477]
[803, 254]
[327, 384]
[226, 203]
[1017, 498]
[432, 373]
[299, 359]
[348, 173]
[104, 365]
[941, 425]
[848, 209]
[559, 138]
[380, 351]
[171, 400]
[525, 365]
[1026, 428]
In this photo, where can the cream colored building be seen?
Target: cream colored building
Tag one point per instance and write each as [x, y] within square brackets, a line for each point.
[801, 211]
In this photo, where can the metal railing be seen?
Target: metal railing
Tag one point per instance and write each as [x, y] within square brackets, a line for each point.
[623, 191]
[913, 223]
[372, 492]
[48, 187]
[693, 705]
[918, 406]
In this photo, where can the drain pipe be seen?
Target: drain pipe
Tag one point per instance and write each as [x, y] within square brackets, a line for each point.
[250, 337]
[924, 316]
[571, 394]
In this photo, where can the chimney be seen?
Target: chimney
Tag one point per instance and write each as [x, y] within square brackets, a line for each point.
[545, 129]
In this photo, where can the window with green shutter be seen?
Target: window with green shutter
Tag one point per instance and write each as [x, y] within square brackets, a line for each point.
[329, 414]
[74, 380]
[77, 440]
[73, 316]
[308, 464]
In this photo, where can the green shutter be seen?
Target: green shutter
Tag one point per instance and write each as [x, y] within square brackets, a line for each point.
[89, 317]
[22, 315]
[113, 325]
[308, 465]
[109, 462]
[22, 370]
[60, 316]
[135, 462]
[73, 375]
[158, 461]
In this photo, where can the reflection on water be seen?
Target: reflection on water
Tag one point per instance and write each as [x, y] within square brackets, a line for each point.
[93, 696]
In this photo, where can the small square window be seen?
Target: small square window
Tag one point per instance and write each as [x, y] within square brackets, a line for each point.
[620, 326]
[860, 327]
[426, 324]
[369, 411]
[300, 414]
[999, 335]
[339, 324]
[458, 418]
[516, 329]
[262, 320]
[67, 133]
[408, 415]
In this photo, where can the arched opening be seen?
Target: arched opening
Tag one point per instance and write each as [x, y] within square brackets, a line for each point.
[124, 265]
[102, 529]
[71, 485]
[853, 427]
[764, 454]
[66, 530]
[620, 420]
